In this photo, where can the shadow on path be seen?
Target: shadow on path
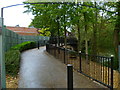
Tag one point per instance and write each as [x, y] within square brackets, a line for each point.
[40, 70]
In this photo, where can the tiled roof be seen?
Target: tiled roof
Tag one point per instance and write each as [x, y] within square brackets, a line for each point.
[23, 30]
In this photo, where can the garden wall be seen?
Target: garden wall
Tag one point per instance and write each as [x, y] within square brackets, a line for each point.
[11, 39]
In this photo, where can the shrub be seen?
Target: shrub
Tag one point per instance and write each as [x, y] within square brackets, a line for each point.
[12, 59]
[115, 64]
[24, 46]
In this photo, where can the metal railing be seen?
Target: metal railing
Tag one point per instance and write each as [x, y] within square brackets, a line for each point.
[98, 68]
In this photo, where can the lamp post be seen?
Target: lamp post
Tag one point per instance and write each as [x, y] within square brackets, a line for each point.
[2, 49]
[2, 54]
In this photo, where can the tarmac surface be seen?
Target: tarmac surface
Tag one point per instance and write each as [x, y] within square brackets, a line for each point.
[39, 69]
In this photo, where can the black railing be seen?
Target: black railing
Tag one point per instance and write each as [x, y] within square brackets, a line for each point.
[98, 68]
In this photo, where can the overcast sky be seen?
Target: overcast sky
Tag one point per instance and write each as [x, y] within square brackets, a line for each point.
[14, 15]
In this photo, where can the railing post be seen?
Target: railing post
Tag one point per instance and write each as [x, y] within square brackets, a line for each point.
[80, 69]
[70, 77]
[119, 56]
[38, 44]
[64, 55]
[55, 50]
[49, 48]
[46, 47]
[112, 58]
[54, 53]
[58, 52]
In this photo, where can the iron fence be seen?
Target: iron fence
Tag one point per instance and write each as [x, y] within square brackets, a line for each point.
[98, 68]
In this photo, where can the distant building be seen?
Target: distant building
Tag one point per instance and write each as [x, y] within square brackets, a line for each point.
[24, 30]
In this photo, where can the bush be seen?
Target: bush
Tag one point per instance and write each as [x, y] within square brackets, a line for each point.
[24, 46]
[115, 64]
[12, 59]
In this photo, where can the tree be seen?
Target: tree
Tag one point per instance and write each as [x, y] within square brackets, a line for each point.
[44, 32]
[117, 30]
[92, 29]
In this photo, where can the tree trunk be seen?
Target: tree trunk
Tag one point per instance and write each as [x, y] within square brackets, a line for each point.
[65, 32]
[94, 39]
[116, 35]
[86, 39]
[58, 31]
[79, 47]
[116, 31]
[116, 41]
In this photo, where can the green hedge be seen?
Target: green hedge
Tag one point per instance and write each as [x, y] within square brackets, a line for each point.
[115, 64]
[12, 57]
[24, 46]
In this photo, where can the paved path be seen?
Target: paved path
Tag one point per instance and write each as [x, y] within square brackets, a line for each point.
[41, 70]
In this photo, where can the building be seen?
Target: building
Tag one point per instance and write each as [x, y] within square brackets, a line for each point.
[24, 30]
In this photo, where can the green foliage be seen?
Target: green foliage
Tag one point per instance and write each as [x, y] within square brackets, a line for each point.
[12, 60]
[12, 57]
[73, 53]
[96, 23]
[24, 46]
[44, 32]
[115, 64]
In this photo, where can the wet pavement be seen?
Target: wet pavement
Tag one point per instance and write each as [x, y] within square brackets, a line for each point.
[39, 69]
